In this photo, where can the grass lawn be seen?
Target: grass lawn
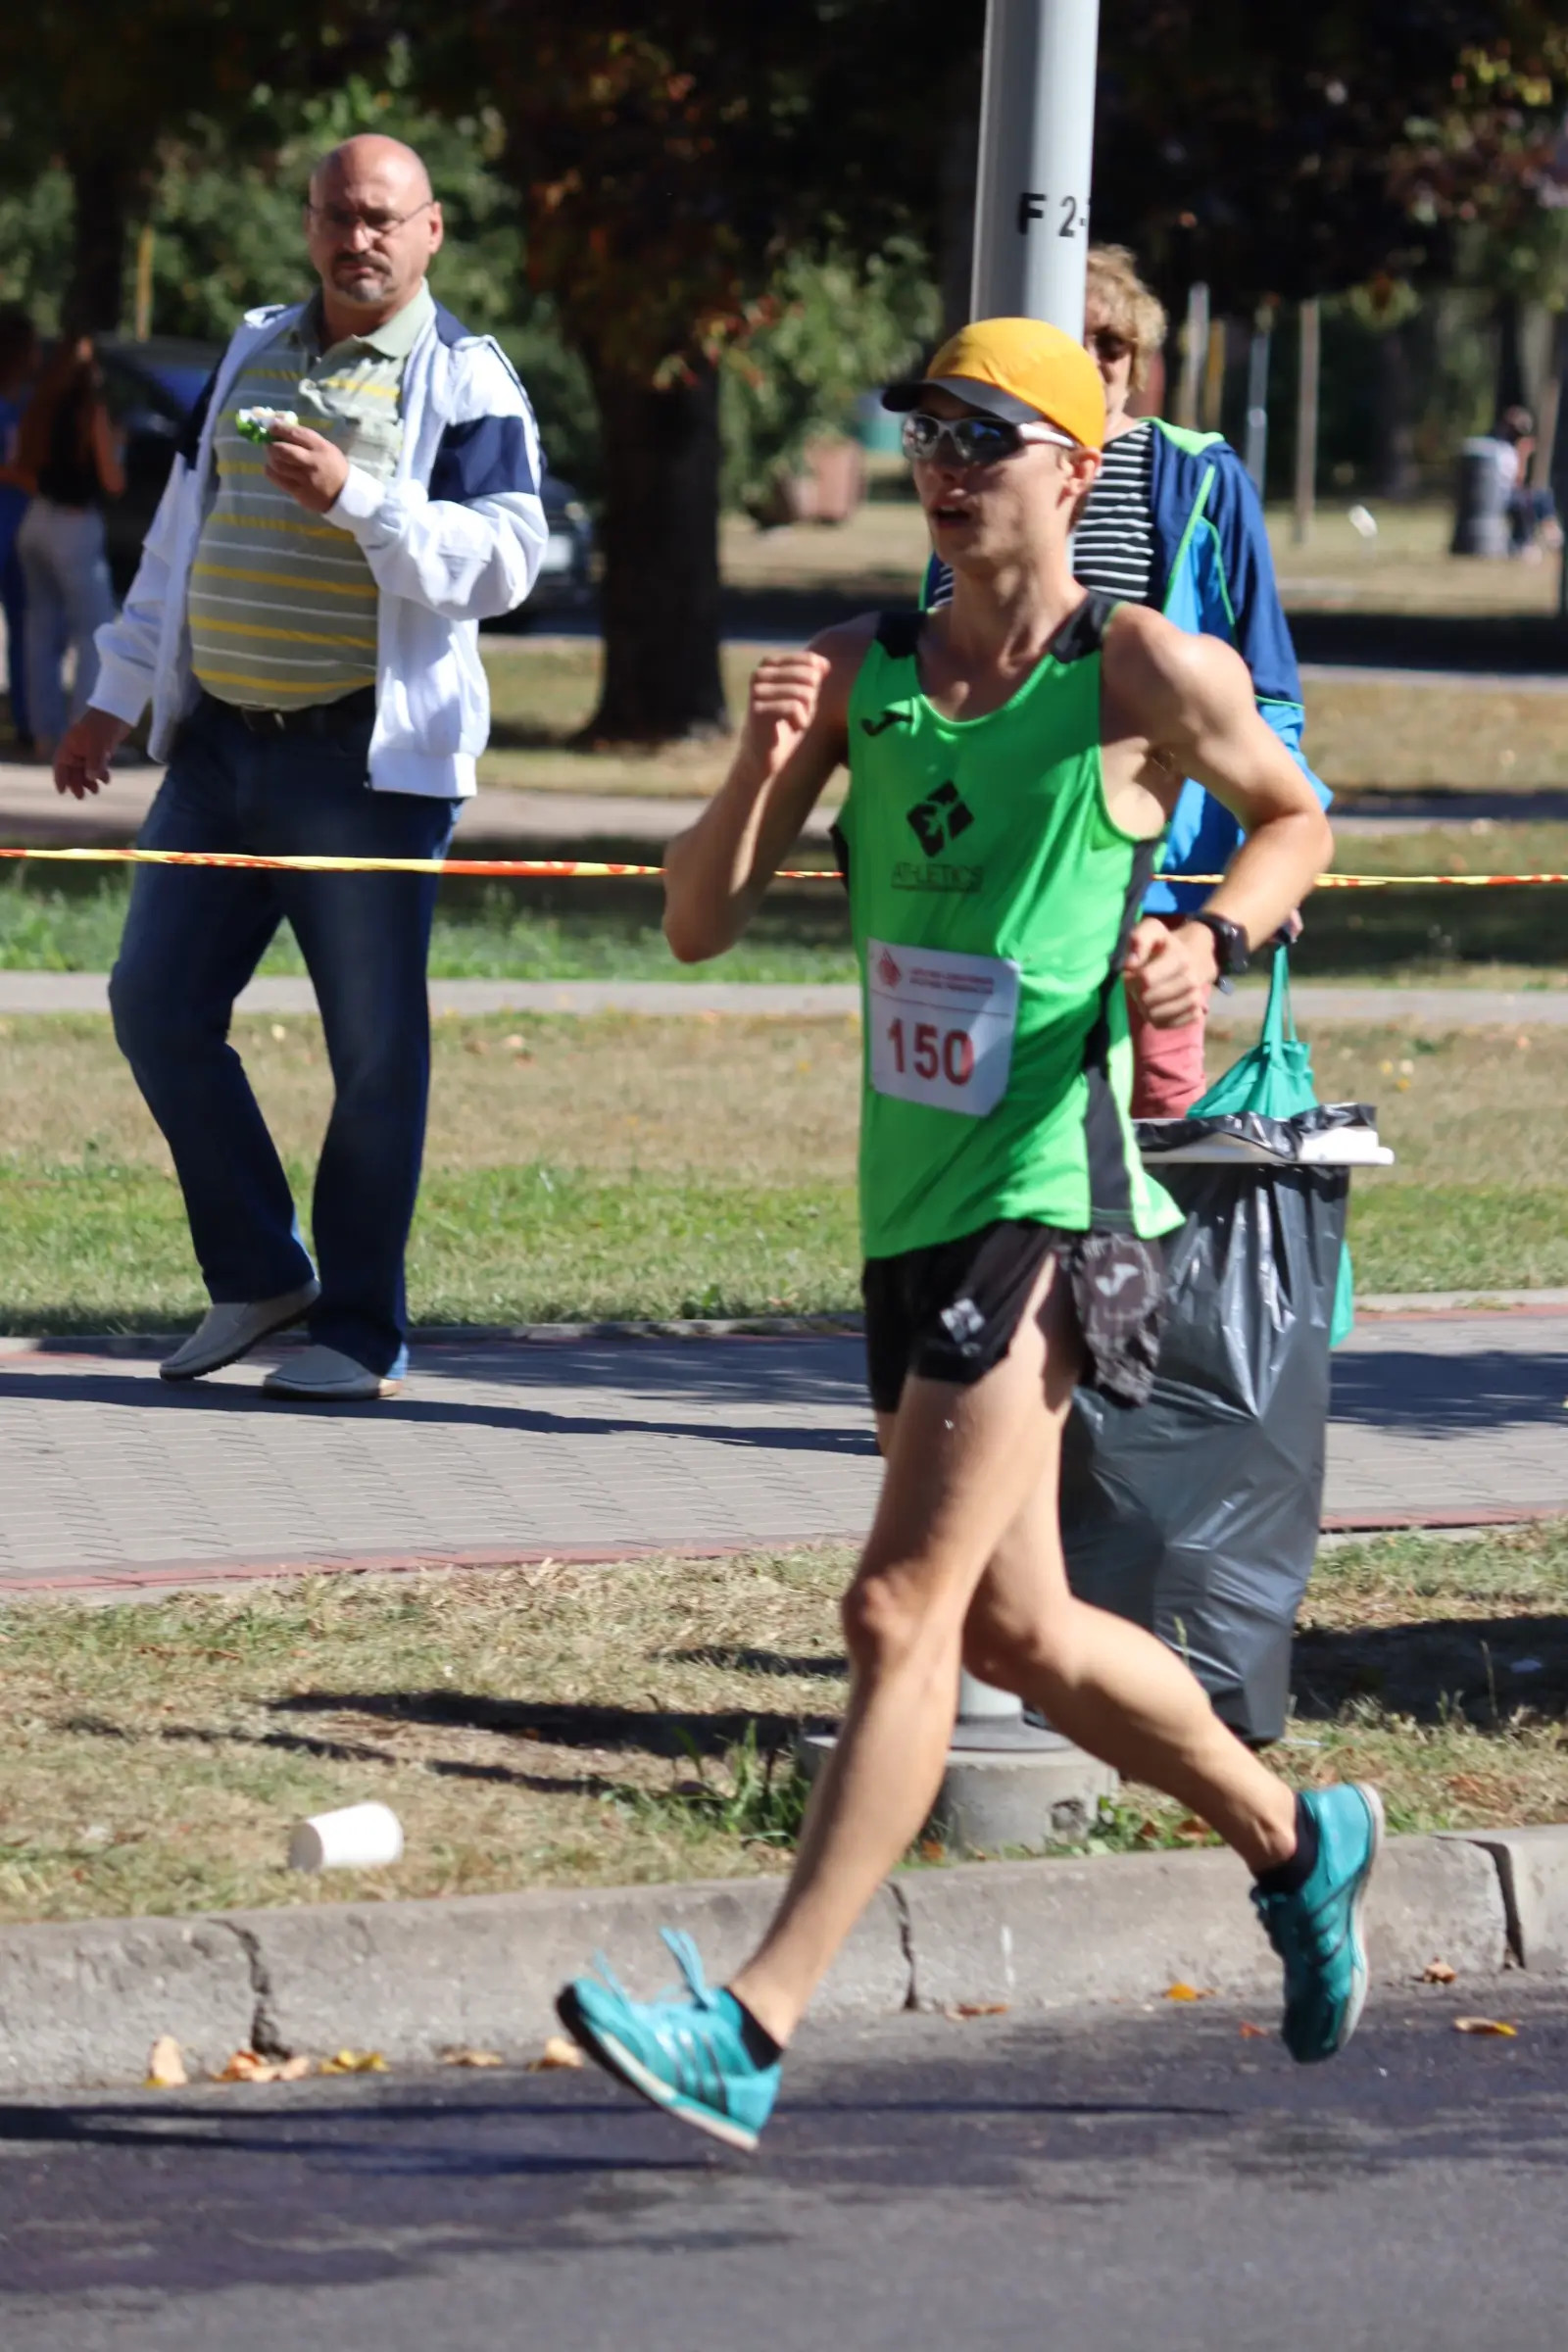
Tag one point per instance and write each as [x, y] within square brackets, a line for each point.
[573, 1726]
[57, 920]
[626, 1168]
[1459, 734]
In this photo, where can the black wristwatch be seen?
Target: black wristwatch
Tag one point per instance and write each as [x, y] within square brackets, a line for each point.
[1230, 950]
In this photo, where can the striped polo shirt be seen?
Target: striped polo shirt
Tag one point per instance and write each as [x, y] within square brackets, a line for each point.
[1113, 544]
[282, 605]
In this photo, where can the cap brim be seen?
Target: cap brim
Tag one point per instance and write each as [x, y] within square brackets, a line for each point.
[990, 398]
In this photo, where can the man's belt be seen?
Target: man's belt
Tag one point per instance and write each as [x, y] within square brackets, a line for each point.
[351, 711]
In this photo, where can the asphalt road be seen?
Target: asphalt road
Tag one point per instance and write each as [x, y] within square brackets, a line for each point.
[1094, 2184]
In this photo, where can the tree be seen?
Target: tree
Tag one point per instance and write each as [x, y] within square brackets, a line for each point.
[94, 87]
[1287, 153]
[666, 163]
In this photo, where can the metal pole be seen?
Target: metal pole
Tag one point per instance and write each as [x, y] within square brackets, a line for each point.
[1031, 242]
[1306, 418]
[1195, 348]
[1037, 143]
[1257, 399]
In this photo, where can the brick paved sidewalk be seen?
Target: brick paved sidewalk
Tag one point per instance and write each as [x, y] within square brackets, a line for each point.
[115, 1482]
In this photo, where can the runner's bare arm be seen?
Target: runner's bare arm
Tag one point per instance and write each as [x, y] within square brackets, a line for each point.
[1189, 701]
[793, 737]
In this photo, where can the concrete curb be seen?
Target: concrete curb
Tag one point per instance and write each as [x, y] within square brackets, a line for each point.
[81, 2004]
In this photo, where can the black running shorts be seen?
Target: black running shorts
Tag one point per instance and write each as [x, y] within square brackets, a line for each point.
[951, 1313]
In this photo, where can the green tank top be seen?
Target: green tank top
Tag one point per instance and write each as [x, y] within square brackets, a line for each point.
[991, 898]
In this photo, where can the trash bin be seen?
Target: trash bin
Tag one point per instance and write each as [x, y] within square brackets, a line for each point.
[1481, 498]
[1196, 1514]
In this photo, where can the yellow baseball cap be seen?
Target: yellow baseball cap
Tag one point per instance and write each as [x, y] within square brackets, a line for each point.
[1019, 370]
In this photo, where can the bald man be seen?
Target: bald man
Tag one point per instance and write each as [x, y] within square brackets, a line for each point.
[305, 625]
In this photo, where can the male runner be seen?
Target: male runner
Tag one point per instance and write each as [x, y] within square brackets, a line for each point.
[1014, 760]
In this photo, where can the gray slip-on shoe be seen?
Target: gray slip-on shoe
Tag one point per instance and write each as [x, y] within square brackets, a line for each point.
[327, 1376]
[226, 1333]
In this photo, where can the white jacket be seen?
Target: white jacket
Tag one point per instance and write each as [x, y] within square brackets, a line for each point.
[453, 538]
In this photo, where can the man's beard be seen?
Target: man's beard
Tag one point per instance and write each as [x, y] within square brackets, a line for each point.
[366, 285]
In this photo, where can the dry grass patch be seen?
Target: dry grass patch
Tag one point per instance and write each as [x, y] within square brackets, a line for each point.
[544, 1726]
[1405, 569]
[577, 1726]
[759, 1101]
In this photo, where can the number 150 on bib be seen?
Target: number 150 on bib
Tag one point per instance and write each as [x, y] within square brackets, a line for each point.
[941, 1026]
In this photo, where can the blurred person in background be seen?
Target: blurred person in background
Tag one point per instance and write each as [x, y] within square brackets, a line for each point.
[1532, 512]
[68, 457]
[1173, 520]
[19, 358]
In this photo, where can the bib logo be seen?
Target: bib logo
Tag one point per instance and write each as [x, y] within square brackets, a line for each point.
[938, 820]
[887, 971]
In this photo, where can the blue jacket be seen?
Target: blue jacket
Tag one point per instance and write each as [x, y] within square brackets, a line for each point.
[1214, 576]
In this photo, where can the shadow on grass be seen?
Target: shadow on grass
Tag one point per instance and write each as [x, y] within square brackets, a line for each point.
[760, 1661]
[644, 1730]
[1475, 1670]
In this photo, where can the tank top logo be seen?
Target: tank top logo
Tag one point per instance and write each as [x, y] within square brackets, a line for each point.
[938, 820]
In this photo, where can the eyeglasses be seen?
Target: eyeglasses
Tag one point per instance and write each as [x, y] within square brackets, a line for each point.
[344, 219]
[1108, 345]
[973, 440]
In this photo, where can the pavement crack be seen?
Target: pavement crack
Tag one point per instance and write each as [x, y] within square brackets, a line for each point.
[265, 2039]
[911, 1999]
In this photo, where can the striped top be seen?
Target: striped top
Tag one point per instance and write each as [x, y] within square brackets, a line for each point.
[1113, 545]
[282, 606]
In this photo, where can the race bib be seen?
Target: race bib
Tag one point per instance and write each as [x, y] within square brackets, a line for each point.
[941, 1026]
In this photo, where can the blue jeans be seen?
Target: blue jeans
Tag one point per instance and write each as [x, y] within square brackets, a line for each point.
[69, 599]
[193, 939]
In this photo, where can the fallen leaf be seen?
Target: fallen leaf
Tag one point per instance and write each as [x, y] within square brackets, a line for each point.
[1485, 2025]
[1186, 1992]
[355, 2062]
[295, 2070]
[166, 2067]
[557, 2051]
[471, 2058]
[1438, 1972]
[932, 1849]
[248, 2066]
[1249, 2033]
[963, 2009]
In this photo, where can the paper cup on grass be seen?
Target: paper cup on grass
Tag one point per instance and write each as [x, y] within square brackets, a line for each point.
[358, 1837]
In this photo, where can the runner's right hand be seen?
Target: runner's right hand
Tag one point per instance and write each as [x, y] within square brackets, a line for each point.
[785, 691]
[82, 754]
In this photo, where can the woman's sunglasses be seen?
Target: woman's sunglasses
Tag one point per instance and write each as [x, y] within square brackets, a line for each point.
[973, 440]
[1107, 344]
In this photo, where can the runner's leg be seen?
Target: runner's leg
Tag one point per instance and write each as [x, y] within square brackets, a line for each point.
[963, 1466]
[1116, 1689]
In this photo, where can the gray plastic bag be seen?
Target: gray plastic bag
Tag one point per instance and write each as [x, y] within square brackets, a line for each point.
[1196, 1514]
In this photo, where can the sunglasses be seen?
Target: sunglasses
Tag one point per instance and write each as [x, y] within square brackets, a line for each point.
[1108, 345]
[973, 440]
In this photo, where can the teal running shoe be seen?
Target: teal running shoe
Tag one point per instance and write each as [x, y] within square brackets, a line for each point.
[687, 2056]
[1317, 1931]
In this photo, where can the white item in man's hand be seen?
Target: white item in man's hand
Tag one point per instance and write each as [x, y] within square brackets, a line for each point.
[260, 424]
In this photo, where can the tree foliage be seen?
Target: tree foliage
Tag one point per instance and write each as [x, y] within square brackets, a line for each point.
[1295, 152]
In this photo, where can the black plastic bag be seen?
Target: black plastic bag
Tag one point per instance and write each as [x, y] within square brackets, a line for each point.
[1196, 1514]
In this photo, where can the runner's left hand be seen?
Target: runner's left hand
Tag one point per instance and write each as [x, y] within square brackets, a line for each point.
[1170, 972]
[309, 466]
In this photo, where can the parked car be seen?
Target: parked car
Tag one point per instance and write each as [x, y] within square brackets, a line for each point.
[151, 389]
